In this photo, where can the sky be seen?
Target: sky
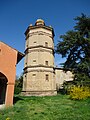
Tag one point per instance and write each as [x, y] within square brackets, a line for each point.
[17, 15]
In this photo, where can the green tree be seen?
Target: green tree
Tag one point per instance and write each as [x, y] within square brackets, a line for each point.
[75, 46]
[18, 84]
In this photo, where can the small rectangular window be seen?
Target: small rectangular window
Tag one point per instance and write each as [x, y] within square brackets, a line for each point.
[34, 61]
[46, 44]
[33, 75]
[34, 42]
[25, 76]
[47, 77]
[46, 62]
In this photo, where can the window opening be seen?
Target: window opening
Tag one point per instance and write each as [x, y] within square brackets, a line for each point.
[47, 77]
[34, 75]
[46, 44]
[46, 62]
[34, 60]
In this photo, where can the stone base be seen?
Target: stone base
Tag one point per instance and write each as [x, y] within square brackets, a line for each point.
[39, 93]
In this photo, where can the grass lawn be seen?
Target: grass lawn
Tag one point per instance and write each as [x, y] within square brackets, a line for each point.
[58, 107]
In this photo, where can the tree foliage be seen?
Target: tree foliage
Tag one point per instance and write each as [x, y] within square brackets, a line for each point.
[75, 46]
[18, 84]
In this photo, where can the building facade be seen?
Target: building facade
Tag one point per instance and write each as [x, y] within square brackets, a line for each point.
[9, 57]
[39, 73]
[62, 76]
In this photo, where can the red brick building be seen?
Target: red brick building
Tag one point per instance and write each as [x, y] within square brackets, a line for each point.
[9, 57]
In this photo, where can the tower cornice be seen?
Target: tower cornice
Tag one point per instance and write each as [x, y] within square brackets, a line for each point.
[39, 71]
[39, 46]
[39, 33]
[40, 65]
[39, 26]
[39, 50]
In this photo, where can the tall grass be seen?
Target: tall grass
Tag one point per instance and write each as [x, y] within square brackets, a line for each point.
[58, 107]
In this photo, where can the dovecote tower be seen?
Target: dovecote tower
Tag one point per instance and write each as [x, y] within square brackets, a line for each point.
[39, 75]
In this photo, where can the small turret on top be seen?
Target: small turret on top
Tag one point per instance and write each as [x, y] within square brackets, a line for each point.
[39, 22]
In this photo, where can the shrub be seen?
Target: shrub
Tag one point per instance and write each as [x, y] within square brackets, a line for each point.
[17, 90]
[7, 118]
[66, 86]
[78, 93]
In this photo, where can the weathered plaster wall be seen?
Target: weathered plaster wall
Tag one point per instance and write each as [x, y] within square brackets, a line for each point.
[8, 60]
[62, 76]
